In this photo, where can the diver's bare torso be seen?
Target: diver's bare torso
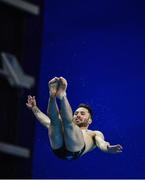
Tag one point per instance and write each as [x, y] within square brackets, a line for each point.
[89, 140]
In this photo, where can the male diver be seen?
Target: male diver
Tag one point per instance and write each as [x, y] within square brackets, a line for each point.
[68, 133]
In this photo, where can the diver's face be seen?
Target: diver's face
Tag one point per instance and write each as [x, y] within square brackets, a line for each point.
[82, 117]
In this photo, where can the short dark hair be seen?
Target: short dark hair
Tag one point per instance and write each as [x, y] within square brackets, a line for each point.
[87, 107]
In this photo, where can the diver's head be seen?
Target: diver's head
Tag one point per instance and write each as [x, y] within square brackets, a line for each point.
[83, 116]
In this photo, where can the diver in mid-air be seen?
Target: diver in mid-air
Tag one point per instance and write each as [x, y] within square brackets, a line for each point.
[68, 133]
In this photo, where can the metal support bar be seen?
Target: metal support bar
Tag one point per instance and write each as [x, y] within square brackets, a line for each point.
[22, 5]
[14, 150]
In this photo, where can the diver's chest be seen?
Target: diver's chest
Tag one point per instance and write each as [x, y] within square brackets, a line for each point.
[89, 137]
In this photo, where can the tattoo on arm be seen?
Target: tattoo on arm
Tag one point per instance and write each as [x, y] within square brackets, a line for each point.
[42, 118]
[35, 109]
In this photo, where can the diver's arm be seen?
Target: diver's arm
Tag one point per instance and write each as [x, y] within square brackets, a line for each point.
[42, 118]
[100, 142]
[104, 145]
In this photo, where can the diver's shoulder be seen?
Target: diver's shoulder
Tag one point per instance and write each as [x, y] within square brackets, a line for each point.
[96, 132]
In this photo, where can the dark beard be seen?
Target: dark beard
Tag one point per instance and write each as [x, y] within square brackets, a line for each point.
[85, 124]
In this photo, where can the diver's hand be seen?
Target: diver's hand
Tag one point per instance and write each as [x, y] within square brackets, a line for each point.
[31, 102]
[114, 148]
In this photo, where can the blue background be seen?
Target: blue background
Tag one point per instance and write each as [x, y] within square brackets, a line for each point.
[98, 46]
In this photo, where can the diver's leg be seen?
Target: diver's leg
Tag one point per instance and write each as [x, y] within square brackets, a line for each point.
[73, 135]
[55, 129]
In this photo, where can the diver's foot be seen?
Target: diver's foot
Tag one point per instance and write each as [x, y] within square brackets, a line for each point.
[53, 86]
[61, 92]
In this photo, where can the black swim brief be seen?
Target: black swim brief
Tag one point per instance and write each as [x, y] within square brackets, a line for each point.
[63, 153]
